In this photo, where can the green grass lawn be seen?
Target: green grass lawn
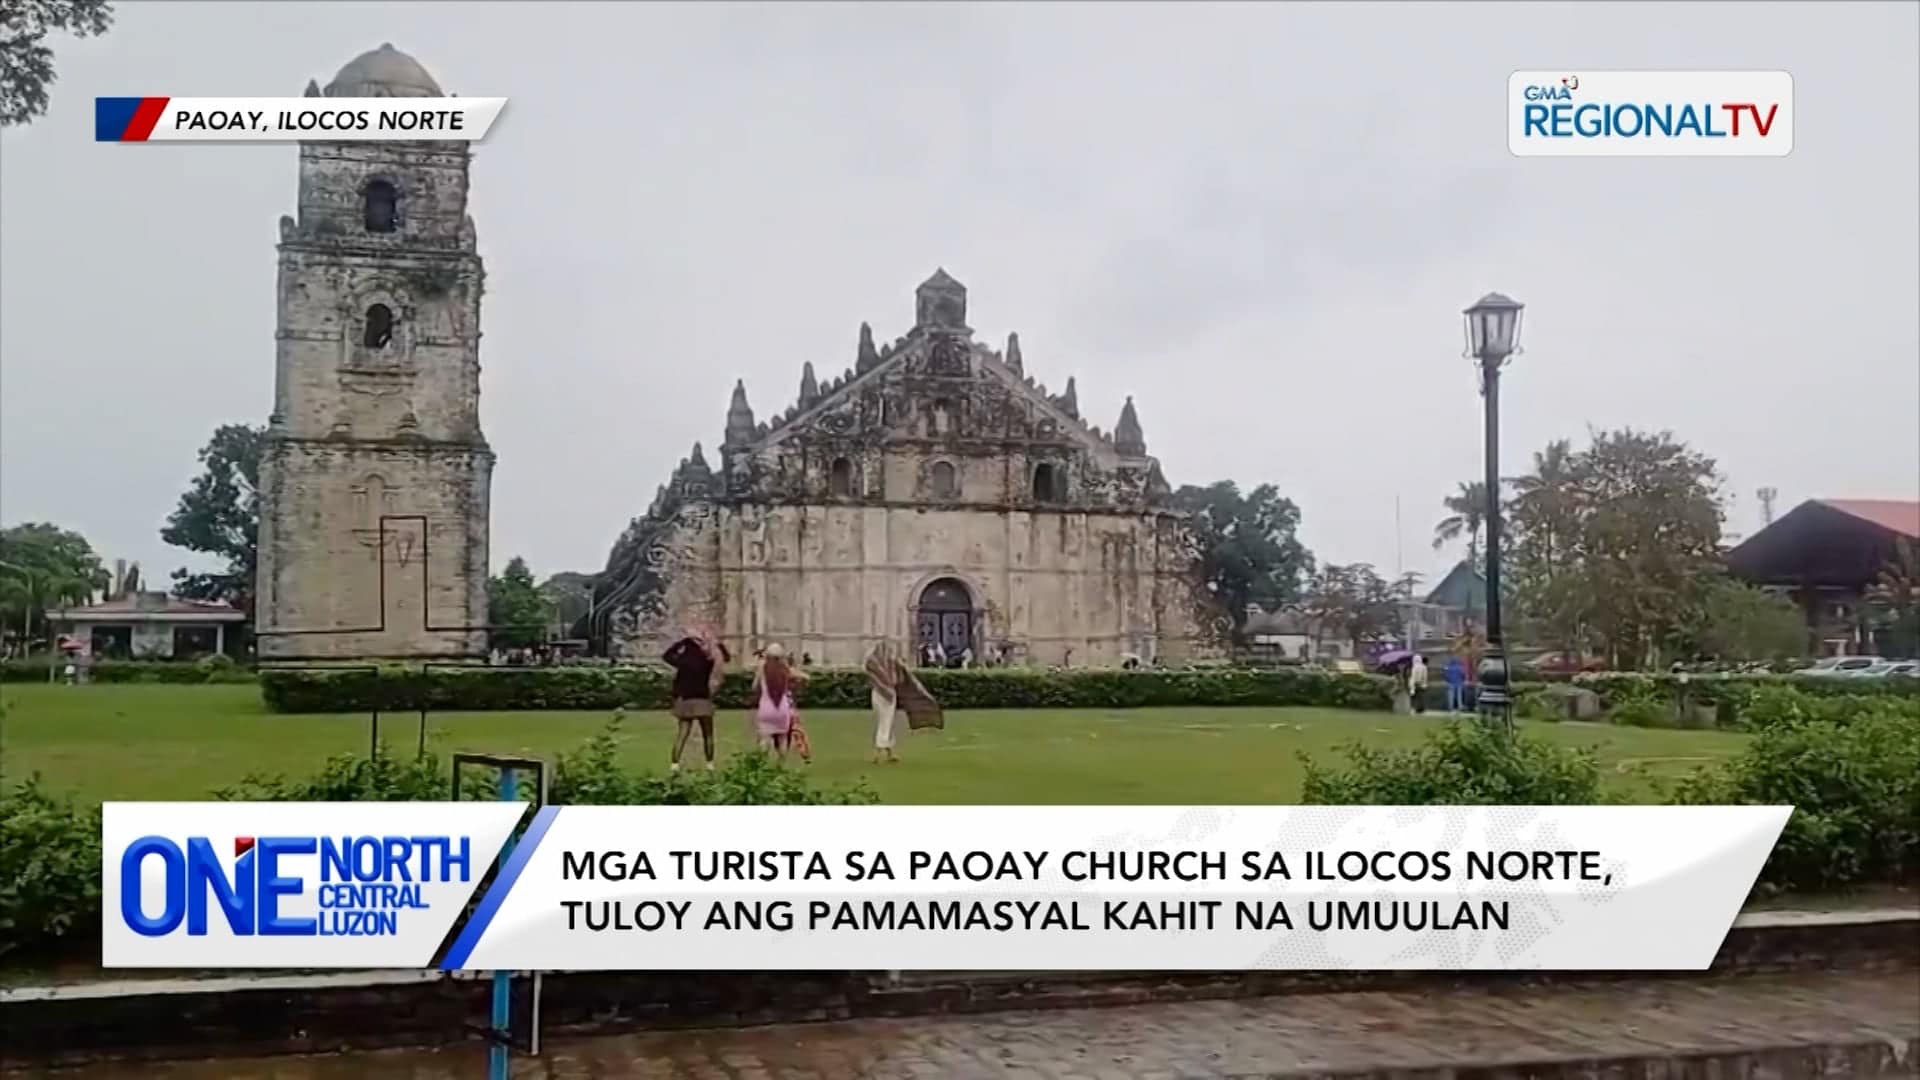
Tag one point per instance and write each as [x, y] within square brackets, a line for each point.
[183, 742]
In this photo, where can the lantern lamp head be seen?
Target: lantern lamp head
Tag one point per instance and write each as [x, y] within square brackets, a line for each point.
[1493, 328]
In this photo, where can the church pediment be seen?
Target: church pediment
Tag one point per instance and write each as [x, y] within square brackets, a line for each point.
[934, 382]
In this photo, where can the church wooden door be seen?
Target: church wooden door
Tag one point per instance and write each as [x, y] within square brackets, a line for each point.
[944, 616]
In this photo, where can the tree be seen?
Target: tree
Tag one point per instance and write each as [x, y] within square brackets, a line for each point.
[1896, 592]
[516, 608]
[1249, 553]
[43, 566]
[1743, 623]
[26, 61]
[1617, 544]
[571, 594]
[1544, 507]
[220, 515]
[1467, 515]
[1542, 524]
[1354, 601]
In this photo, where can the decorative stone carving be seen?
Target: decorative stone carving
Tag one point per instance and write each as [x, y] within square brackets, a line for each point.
[949, 355]
[740, 426]
[1128, 438]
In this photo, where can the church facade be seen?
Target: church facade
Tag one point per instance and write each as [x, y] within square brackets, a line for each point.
[935, 492]
[374, 475]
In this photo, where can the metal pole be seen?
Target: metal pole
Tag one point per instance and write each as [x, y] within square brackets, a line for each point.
[497, 1050]
[1495, 704]
[373, 736]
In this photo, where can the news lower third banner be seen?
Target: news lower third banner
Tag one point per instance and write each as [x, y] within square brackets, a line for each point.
[301, 119]
[1097, 888]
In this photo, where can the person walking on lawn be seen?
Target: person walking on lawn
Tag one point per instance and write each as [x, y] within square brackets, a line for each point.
[1456, 675]
[699, 663]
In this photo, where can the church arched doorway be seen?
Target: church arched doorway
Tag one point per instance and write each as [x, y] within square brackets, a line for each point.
[944, 616]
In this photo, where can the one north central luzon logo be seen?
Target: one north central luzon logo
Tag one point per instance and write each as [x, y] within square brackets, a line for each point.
[1561, 110]
[365, 884]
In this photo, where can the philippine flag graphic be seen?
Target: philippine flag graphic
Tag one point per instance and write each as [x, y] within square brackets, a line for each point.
[126, 119]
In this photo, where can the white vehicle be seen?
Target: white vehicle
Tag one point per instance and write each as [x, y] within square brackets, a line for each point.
[1905, 669]
[1842, 665]
[1879, 669]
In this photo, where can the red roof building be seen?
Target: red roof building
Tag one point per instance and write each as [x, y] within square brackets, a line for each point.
[1830, 555]
[148, 625]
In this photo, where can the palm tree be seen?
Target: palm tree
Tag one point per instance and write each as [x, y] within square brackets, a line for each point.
[35, 588]
[1897, 587]
[1543, 500]
[1468, 515]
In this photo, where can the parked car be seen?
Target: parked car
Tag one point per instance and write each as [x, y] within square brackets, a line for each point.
[1904, 669]
[1842, 665]
[1885, 669]
[1561, 663]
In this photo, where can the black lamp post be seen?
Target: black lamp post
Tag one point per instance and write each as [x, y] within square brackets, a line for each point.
[1493, 337]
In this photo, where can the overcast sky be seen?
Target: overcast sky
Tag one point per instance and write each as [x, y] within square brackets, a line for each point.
[1260, 221]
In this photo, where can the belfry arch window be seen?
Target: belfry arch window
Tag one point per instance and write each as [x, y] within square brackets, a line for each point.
[379, 329]
[1049, 483]
[383, 207]
[840, 479]
[946, 482]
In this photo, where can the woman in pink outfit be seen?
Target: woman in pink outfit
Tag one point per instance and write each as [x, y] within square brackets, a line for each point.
[773, 687]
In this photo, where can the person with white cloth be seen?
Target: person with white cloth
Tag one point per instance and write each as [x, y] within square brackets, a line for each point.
[896, 690]
[1417, 683]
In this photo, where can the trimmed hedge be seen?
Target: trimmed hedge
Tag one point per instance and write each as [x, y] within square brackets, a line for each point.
[1735, 702]
[212, 669]
[562, 688]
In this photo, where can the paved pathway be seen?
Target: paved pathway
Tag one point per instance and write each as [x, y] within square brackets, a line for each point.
[1321, 1032]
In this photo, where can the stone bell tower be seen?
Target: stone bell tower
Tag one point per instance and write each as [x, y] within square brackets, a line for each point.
[375, 477]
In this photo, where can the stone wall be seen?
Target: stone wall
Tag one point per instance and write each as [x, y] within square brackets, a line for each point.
[832, 580]
[355, 570]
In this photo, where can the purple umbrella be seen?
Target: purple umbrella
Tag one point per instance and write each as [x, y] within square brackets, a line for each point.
[1393, 658]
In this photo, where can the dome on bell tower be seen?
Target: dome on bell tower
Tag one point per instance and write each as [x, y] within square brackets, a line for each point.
[383, 72]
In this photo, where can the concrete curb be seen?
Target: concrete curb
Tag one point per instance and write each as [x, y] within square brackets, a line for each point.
[1862, 1058]
[328, 1012]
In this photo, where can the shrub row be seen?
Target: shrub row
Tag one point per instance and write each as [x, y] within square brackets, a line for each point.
[211, 669]
[1853, 783]
[559, 688]
[1735, 702]
[50, 845]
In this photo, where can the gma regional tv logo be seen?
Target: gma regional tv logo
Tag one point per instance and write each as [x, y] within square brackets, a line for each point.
[1650, 113]
[295, 885]
[364, 884]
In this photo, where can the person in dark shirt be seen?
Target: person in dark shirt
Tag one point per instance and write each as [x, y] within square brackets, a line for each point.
[697, 661]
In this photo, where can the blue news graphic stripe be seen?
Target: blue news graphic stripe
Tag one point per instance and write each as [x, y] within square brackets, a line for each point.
[502, 883]
[111, 115]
